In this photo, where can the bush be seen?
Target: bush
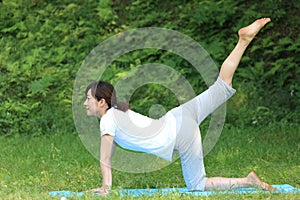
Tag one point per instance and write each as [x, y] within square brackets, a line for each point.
[44, 42]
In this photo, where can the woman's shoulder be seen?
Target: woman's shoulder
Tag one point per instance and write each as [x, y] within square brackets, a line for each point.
[107, 119]
[113, 112]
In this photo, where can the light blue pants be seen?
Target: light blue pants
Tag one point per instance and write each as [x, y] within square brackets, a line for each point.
[188, 139]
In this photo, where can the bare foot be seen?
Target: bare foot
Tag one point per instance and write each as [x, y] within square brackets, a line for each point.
[248, 33]
[255, 181]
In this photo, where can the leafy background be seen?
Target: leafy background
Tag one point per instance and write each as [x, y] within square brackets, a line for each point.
[43, 44]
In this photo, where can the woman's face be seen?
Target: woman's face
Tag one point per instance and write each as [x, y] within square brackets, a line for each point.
[91, 105]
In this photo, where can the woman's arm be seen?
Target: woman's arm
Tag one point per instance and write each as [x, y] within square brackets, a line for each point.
[106, 153]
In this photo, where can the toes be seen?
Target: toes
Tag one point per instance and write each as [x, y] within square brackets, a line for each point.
[266, 186]
[264, 20]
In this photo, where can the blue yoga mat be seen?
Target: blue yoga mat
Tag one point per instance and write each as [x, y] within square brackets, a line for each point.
[285, 189]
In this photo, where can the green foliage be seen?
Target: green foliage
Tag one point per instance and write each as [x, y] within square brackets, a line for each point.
[272, 84]
[43, 44]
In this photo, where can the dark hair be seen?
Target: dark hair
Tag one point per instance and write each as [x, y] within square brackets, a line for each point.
[104, 90]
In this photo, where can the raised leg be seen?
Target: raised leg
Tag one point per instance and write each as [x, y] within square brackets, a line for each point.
[246, 35]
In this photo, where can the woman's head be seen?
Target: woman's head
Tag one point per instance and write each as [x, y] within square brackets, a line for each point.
[103, 91]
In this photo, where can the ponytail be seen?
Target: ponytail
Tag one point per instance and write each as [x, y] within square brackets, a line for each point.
[122, 106]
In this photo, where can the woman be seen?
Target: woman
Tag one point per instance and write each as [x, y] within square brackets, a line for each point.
[181, 131]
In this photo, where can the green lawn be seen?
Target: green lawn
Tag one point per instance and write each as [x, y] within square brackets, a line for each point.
[30, 166]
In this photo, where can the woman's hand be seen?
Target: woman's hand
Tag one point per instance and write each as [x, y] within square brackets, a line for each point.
[102, 191]
[106, 152]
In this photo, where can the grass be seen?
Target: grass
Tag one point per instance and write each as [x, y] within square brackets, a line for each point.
[31, 166]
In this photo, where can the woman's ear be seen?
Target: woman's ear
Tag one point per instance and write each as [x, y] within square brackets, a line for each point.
[102, 103]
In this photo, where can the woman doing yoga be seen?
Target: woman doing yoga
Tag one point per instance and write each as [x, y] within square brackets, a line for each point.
[181, 125]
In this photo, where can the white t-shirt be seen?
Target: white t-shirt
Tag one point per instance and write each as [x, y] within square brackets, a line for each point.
[137, 132]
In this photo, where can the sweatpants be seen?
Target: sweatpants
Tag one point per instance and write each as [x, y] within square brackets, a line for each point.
[188, 138]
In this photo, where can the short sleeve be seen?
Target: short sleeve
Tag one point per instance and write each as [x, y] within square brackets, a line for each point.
[107, 125]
